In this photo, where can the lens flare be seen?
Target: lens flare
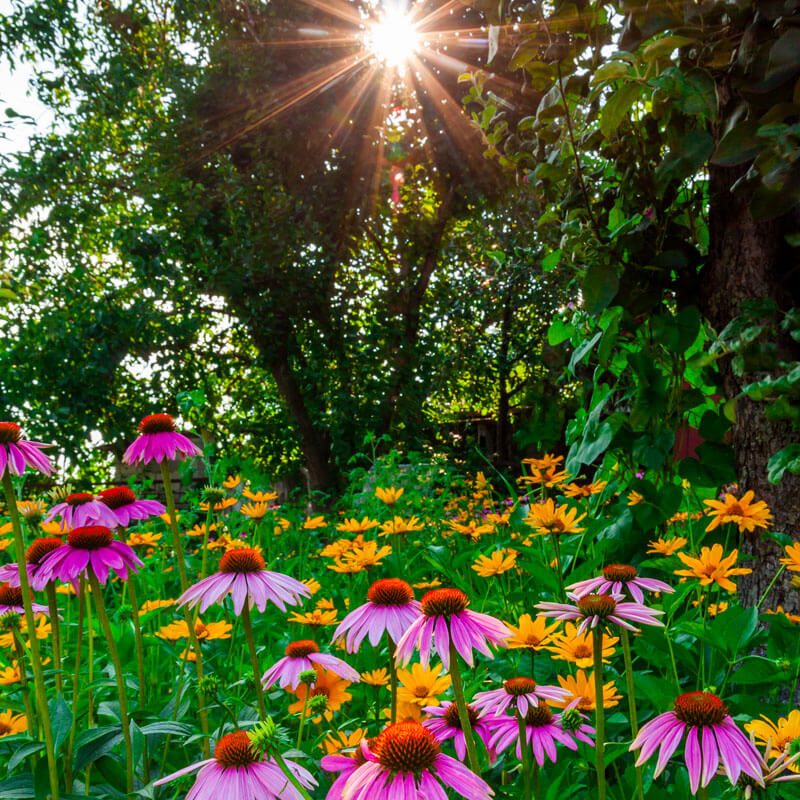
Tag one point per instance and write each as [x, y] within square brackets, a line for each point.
[393, 39]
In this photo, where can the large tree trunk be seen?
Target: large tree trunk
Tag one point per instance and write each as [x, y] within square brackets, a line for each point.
[748, 259]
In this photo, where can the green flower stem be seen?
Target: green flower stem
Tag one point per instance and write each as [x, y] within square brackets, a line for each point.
[75, 693]
[461, 705]
[187, 614]
[206, 534]
[600, 737]
[303, 717]
[393, 680]
[626, 652]
[30, 714]
[137, 630]
[105, 625]
[557, 549]
[247, 624]
[55, 627]
[291, 776]
[527, 790]
[771, 584]
[36, 660]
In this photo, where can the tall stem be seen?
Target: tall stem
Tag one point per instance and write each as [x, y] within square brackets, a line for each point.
[30, 714]
[137, 631]
[393, 680]
[525, 751]
[626, 652]
[251, 646]
[600, 738]
[36, 660]
[463, 711]
[105, 625]
[55, 627]
[75, 693]
[187, 614]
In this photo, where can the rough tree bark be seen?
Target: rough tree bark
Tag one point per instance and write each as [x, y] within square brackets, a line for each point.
[748, 259]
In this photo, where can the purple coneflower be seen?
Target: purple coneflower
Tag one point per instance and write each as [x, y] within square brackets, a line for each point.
[712, 738]
[34, 556]
[595, 609]
[615, 579]
[300, 657]
[159, 441]
[445, 617]
[242, 574]
[11, 601]
[391, 608]
[405, 762]
[126, 508]
[16, 453]
[543, 729]
[88, 546]
[516, 693]
[444, 723]
[82, 508]
[237, 772]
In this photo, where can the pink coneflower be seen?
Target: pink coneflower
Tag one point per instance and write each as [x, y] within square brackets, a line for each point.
[516, 693]
[126, 508]
[11, 601]
[16, 453]
[345, 765]
[237, 772]
[444, 617]
[242, 574]
[615, 579]
[34, 556]
[300, 657]
[595, 609]
[391, 608]
[88, 546]
[543, 729]
[82, 508]
[159, 441]
[444, 723]
[712, 738]
[405, 762]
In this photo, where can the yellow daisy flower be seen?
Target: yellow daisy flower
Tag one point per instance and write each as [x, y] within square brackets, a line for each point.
[312, 523]
[792, 561]
[316, 618]
[375, 677]
[260, 497]
[204, 631]
[389, 496]
[581, 688]
[711, 567]
[741, 511]
[496, 564]
[154, 605]
[780, 734]
[398, 525]
[667, 547]
[578, 648]
[531, 634]
[341, 740]
[547, 518]
[634, 498]
[574, 490]
[10, 675]
[254, 510]
[352, 525]
[232, 481]
[420, 686]
[11, 723]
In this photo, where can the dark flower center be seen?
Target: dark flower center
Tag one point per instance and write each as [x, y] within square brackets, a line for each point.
[78, 499]
[242, 560]
[301, 648]
[619, 572]
[10, 432]
[538, 716]
[406, 747]
[454, 721]
[597, 605]
[40, 548]
[90, 537]
[700, 708]
[117, 497]
[235, 750]
[157, 423]
[390, 592]
[5, 729]
[443, 602]
[519, 686]
[582, 650]
[10, 596]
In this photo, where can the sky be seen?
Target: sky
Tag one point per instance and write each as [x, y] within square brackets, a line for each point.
[15, 93]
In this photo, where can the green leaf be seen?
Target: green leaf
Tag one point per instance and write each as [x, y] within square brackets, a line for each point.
[663, 47]
[739, 145]
[785, 460]
[60, 720]
[617, 107]
[600, 287]
[734, 629]
[685, 159]
[21, 753]
[558, 332]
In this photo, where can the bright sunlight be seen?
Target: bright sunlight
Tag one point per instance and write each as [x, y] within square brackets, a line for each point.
[394, 38]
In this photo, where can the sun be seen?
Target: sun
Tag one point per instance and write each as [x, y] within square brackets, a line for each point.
[393, 39]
